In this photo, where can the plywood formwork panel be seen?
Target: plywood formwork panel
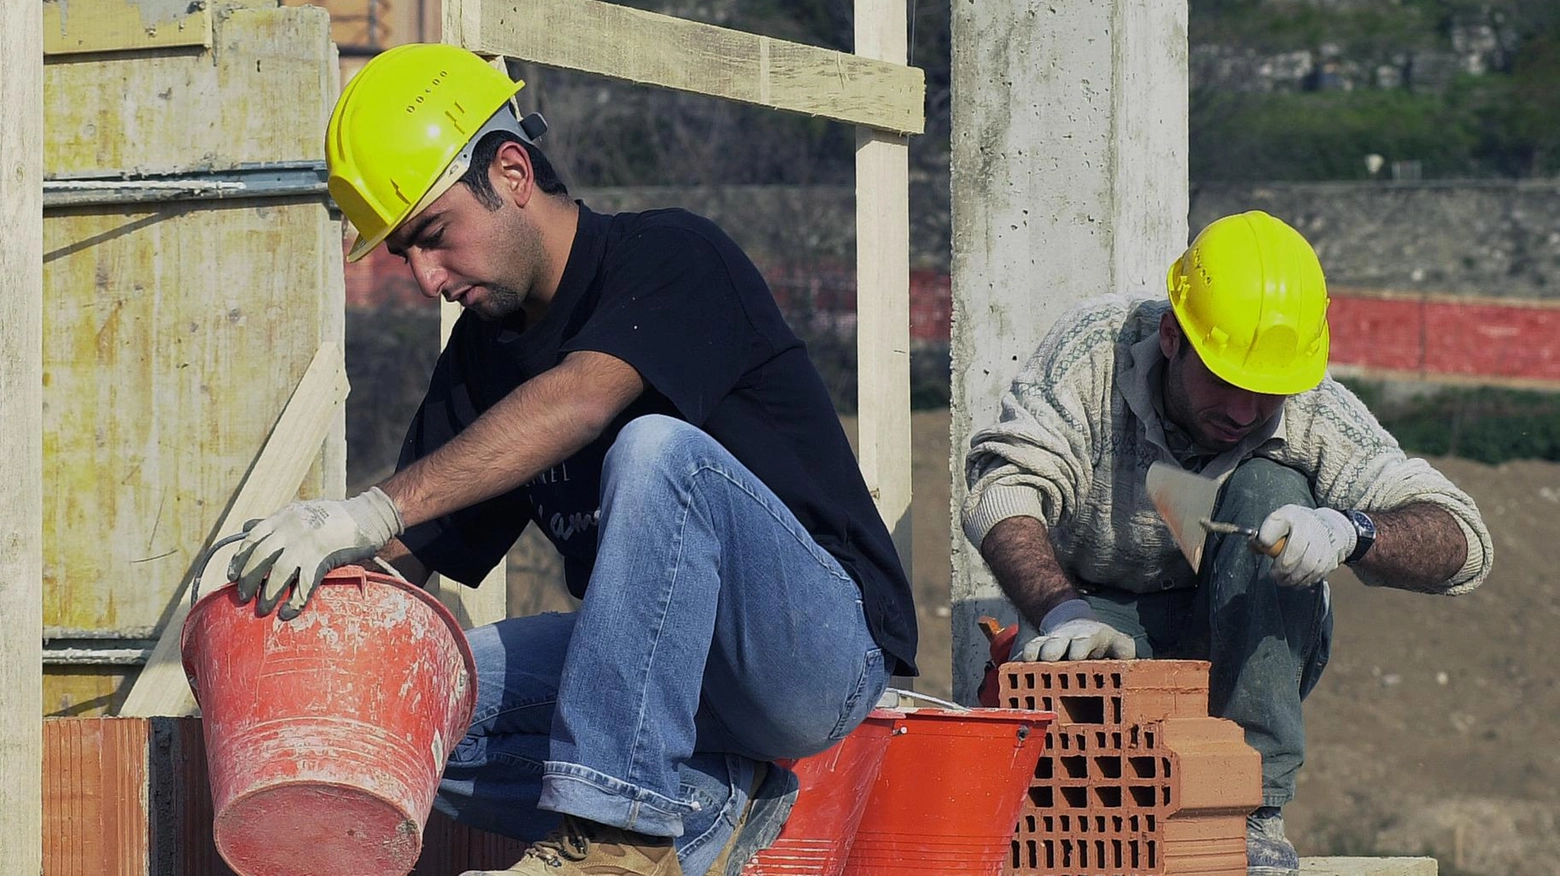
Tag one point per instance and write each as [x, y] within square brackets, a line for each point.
[175, 332]
[170, 348]
[261, 93]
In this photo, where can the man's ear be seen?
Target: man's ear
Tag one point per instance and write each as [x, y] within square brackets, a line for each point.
[1170, 337]
[514, 177]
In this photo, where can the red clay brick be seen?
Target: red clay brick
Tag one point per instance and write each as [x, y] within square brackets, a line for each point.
[1136, 778]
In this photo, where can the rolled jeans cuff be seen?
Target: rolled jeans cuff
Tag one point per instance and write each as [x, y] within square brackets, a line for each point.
[585, 793]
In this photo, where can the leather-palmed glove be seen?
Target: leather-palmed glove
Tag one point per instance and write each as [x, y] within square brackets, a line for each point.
[297, 545]
[1320, 539]
[1070, 631]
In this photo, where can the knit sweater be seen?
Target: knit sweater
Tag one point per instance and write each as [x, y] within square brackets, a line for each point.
[1081, 424]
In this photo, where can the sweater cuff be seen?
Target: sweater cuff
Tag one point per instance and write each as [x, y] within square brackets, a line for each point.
[996, 504]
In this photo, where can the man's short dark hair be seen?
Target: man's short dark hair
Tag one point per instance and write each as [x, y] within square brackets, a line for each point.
[476, 176]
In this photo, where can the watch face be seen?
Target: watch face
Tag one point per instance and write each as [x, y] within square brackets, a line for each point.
[1364, 527]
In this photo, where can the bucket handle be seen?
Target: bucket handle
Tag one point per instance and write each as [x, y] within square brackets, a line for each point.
[200, 567]
[891, 696]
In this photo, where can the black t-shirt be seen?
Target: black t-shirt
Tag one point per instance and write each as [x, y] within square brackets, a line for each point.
[670, 294]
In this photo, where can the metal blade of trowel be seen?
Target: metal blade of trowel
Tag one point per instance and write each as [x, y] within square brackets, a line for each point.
[1184, 500]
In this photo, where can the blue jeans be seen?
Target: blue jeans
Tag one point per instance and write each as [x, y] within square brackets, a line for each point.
[715, 634]
[1267, 644]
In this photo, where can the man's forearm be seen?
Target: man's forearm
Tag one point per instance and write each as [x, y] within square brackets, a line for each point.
[542, 422]
[1417, 546]
[1020, 555]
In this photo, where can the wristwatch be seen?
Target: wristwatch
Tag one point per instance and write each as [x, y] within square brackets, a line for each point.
[1364, 534]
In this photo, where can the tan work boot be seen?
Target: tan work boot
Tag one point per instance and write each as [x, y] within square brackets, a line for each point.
[584, 848]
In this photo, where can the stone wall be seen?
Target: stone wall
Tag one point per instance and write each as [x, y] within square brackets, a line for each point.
[1487, 239]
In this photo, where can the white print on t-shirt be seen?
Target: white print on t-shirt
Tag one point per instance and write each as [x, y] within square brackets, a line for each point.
[567, 526]
[558, 474]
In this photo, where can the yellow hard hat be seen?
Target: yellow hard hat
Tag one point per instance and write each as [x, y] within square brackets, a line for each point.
[1250, 296]
[402, 133]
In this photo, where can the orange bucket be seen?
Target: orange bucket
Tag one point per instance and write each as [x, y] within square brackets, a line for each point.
[326, 735]
[949, 793]
[834, 785]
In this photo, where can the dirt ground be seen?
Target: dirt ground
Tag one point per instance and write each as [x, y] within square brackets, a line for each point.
[1436, 728]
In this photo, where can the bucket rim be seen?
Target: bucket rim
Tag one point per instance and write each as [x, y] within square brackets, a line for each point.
[350, 575]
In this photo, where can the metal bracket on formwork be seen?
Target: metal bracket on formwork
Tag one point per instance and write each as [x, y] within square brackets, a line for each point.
[74, 654]
[277, 179]
[71, 647]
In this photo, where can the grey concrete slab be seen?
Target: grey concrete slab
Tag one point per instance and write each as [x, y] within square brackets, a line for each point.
[1368, 867]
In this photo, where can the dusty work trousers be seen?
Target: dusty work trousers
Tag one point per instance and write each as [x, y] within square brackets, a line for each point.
[715, 634]
[1267, 644]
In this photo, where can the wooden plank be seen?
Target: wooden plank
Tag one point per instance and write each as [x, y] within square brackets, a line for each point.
[75, 26]
[883, 291]
[653, 49]
[161, 688]
[21, 418]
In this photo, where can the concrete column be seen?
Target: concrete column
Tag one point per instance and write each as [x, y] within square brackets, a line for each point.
[21, 420]
[1069, 182]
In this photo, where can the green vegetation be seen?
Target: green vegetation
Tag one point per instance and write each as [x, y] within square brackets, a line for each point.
[1503, 122]
[1487, 425]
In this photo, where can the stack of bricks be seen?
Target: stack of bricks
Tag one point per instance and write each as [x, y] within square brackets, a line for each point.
[1136, 778]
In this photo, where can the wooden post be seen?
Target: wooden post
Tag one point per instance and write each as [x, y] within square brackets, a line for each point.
[883, 289]
[21, 419]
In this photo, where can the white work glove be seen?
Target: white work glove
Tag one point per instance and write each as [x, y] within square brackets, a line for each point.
[1320, 539]
[1070, 631]
[300, 543]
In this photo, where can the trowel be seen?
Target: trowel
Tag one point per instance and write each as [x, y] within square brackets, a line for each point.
[1185, 500]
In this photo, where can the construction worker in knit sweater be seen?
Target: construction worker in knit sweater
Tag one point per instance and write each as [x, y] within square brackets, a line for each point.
[1227, 379]
[626, 382]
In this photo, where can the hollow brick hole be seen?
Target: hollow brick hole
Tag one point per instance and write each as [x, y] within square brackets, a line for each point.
[1075, 767]
[1081, 710]
[1041, 796]
[1142, 796]
[1108, 767]
[1075, 798]
[1142, 767]
[1108, 796]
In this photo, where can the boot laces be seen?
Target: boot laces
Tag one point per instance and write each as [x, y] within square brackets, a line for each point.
[568, 843]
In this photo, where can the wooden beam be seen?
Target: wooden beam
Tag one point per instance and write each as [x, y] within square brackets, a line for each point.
[883, 290]
[653, 49]
[294, 444]
[21, 423]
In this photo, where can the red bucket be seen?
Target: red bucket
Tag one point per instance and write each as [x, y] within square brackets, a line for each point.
[326, 735]
[833, 795]
[949, 793]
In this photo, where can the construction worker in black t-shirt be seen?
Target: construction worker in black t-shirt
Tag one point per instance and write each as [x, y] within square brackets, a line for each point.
[627, 384]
